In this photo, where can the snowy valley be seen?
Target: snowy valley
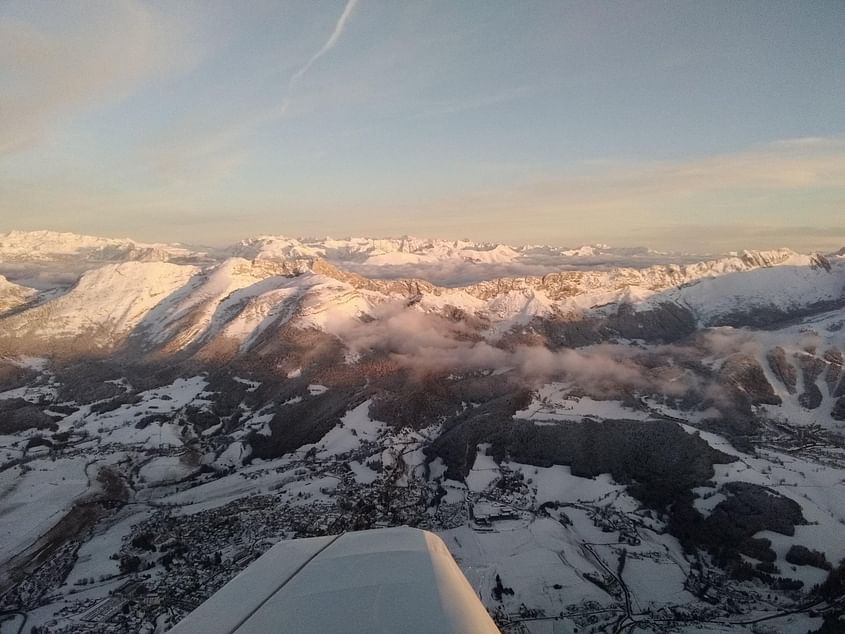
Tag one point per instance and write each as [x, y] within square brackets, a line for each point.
[607, 440]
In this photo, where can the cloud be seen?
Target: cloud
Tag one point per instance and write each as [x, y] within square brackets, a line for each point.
[722, 236]
[428, 343]
[339, 27]
[456, 272]
[61, 58]
[784, 165]
[767, 188]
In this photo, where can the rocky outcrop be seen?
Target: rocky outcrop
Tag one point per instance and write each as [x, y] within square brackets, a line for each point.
[818, 261]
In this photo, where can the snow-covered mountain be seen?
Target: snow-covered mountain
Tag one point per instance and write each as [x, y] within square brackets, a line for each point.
[106, 303]
[600, 445]
[288, 283]
[448, 262]
[40, 246]
[13, 295]
[380, 252]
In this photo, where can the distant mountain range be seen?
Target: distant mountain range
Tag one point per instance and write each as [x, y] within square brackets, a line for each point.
[174, 297]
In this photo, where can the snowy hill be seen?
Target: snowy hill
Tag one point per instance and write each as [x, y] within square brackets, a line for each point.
[13, 295]
[36, 246]
[103, 307]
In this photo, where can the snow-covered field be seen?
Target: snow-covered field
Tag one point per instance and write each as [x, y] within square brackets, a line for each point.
[32, 501]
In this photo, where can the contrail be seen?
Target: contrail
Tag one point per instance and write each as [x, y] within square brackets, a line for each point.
[339, 27]
[228, 138]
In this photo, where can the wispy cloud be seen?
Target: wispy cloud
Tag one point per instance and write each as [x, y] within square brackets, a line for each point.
[58, 59]
[788, 193]
[629, 202]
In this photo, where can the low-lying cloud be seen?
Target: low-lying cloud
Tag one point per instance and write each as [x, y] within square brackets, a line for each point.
[428, 343]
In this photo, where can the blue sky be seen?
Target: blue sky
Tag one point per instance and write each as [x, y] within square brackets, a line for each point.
[689, 125]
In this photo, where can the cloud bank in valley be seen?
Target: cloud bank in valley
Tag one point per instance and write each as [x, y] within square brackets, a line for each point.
[427, 343]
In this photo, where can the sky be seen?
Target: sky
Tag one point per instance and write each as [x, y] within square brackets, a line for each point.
[701, 126]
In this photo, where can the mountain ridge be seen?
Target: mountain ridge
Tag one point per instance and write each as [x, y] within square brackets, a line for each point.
[174, 304]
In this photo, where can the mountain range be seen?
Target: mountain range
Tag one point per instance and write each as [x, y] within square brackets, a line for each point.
[605, 438]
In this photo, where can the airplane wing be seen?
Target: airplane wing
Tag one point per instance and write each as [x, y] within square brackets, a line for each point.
[382, 580]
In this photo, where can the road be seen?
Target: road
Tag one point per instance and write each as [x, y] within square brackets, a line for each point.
[8, 616]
